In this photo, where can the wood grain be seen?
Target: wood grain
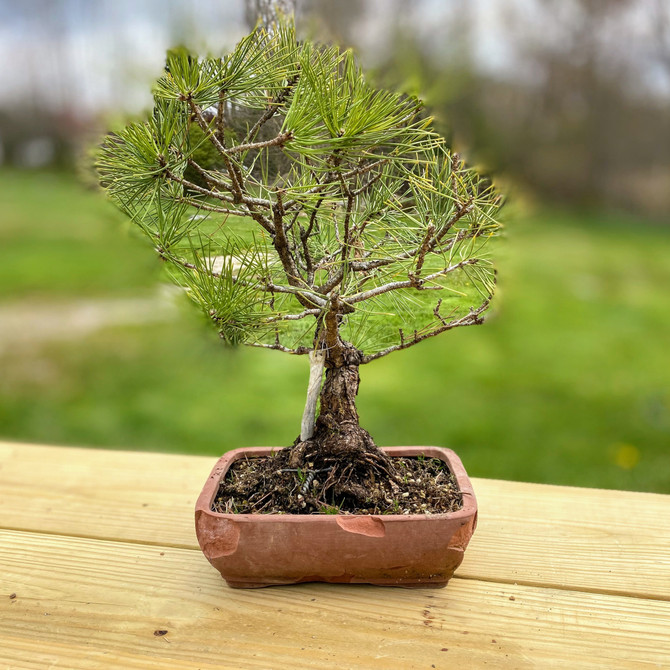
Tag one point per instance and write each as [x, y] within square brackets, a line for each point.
[87, 603]
[130, 496]
[608, 541]
[577, 539]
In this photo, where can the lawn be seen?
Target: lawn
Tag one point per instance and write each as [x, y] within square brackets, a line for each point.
[568, 381]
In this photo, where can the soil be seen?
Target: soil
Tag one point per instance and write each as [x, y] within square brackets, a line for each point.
[330, 485]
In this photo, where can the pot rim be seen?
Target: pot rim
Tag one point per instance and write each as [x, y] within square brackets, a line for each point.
[204, 502]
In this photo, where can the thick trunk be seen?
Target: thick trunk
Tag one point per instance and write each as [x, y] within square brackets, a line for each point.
[337, 433]
[339, 445]
[338, 395]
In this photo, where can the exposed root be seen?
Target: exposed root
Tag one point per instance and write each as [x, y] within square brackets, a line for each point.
[355, 480]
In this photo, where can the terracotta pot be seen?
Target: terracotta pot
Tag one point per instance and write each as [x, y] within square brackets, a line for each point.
[253, 550]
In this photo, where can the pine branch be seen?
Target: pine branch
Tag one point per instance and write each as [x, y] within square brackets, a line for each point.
[472, 318]
[417, 283]
[354, 195]
[272, 109]
[278, 141]
[295, 317]
[298, 351]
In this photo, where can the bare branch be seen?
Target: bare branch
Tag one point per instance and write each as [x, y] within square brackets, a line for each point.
[286, 253]
[423, 250]
[460, 213]
[295, 317]
[304, 237]
[272, 109]
[220, 118]
[209, 177]
[308, 297]
[346, 244]
[417, 283]
[300, 351]
[256, 202]
[277, 141]
[472, 318]
[211, 208]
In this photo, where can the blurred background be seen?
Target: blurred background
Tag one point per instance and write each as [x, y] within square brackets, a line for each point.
[566, 104]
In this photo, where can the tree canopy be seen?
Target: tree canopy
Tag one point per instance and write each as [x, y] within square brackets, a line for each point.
[328, 210]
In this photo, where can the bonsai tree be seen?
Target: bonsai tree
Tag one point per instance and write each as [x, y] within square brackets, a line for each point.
[305, 211]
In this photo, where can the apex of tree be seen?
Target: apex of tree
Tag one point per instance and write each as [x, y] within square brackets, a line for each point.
[301, 207]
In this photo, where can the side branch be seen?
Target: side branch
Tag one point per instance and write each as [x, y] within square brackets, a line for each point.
[209, 178]
[272, 109]
[255, 202]
[278, 141]
[415, 282]
[299, 351]
[211, 208]
[294, 317]
[472, 318]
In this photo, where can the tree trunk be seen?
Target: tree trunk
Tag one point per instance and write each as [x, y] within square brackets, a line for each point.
[337, 433]
[338, 395]
[267, 11]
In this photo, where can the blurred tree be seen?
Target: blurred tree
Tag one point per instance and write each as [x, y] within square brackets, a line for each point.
[268, 12]
[565, 97]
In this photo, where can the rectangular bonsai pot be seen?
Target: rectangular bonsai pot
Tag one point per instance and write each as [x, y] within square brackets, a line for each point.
[414, 550]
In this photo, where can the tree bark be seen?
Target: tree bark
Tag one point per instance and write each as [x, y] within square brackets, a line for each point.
[340, 388]
[268, 11]
[337, 433]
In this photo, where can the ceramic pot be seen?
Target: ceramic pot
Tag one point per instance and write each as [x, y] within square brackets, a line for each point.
[414, 550]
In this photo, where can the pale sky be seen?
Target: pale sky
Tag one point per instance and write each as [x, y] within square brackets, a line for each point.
[89, 55]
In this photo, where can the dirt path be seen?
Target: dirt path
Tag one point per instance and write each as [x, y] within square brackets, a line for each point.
[33, 323]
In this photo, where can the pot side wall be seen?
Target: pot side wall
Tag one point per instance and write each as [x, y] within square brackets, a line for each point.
[251, 550]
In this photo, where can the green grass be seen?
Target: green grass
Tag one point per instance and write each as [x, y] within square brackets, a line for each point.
[568, 382]
[59, 240]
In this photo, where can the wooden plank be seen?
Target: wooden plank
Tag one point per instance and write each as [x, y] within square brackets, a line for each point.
[125, 495]
[84, 603]
[568, 537]
[527, 533]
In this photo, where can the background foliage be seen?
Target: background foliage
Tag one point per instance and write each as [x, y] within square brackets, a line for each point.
[566, 99]
[567, 382]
